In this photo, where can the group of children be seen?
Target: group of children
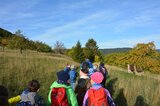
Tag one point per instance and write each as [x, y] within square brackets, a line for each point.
[88, 91]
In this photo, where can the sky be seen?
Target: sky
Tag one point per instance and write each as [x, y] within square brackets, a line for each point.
[111, 23]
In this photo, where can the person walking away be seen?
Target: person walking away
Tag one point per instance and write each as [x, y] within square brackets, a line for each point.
[3, 96]
[30, 96]
[97, 95]
[82, 86]
[61, 93]
[73, 75]
[104, 71]
[67, 68]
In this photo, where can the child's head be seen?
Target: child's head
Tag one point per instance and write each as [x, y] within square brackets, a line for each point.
[33, 86]
[3, 96]
[101, 64]
[97, 78]
[63, 76]
[73, 67]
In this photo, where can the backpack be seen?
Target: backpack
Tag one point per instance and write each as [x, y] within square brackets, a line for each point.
[97, 97]
[59, 97]
[39, 101]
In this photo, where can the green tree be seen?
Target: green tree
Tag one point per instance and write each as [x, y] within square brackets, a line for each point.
[78, 54]
[18, 41]
[42, 47]
[91, 49]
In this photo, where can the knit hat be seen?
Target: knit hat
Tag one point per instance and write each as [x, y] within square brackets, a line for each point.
[97, 77]
[63, 76]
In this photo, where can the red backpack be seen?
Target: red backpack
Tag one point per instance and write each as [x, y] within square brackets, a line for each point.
[59, 97]
[97, 97]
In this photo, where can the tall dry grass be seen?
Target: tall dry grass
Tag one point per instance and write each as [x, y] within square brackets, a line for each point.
[132, 90]
[16, 70]
[127, 89]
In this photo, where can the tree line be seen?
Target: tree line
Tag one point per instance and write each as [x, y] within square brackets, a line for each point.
[19, 41]
[90, 51]
[144, 56]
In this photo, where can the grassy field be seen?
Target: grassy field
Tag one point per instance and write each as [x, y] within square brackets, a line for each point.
[132, 90]
[17, 69]
[127, 89]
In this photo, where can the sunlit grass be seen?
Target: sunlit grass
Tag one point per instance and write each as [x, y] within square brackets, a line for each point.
[129, 89]
[17, 69]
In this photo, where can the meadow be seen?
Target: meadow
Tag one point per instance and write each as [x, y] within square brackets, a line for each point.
[18, 69]
[132, 90]
[126, 89]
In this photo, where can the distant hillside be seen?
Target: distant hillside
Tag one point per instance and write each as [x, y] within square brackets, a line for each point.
[117, 50]
[5, 33]
[114, 50]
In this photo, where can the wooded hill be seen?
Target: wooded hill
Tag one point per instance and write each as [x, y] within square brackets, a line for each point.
[19, 41]
[114, 50]
[117, 50]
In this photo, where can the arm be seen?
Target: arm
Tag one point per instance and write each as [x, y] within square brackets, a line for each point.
[72, 97]
[109, 98]
[49, 96]
[85, 99]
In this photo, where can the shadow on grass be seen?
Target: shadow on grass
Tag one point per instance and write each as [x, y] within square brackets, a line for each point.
[140, 101]
[110, 86]
[120, 100]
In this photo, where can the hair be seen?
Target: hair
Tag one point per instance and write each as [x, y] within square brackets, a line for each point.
[85, 70]
[3, 96]
[33, 86]
[85, 65]
[102, 64]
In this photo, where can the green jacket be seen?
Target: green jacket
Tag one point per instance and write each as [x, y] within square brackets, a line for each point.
[70, 93]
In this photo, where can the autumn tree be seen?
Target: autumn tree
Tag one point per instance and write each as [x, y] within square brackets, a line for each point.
[144, 56]
[18, 41]
[3, 43]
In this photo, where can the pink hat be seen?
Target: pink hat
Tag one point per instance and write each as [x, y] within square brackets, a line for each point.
[97, 77]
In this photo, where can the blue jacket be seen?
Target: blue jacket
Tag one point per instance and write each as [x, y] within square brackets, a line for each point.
[72, 76]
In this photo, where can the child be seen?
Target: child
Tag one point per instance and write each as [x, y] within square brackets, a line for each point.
[82, 86]
[73, 75]
[104, 71]
[97, 95]
[61, 93]
[3, 96]
[30, 97]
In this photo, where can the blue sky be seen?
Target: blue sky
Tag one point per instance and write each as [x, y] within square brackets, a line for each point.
[112, 23]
